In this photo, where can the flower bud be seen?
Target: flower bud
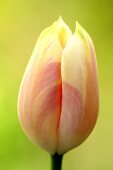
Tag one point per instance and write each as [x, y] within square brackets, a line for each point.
[58, 98]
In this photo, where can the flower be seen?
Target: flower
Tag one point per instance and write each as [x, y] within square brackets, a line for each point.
[58, 98]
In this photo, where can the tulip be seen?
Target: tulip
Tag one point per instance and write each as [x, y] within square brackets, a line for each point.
[58, 97]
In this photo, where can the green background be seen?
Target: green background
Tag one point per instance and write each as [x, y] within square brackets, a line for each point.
[20, 25]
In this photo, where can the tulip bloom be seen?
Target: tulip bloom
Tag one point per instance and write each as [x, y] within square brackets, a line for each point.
[58, 98]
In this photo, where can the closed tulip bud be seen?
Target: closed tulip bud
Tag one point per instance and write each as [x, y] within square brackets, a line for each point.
[58, 98]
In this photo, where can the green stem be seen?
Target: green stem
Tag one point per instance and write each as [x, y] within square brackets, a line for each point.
[56, 162]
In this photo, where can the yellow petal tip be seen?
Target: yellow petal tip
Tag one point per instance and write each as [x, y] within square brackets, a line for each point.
[64, 32]
[81, 32]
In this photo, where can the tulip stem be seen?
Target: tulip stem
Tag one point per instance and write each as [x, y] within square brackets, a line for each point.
[56, 162]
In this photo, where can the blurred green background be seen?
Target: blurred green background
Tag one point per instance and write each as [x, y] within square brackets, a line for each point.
[20, 25]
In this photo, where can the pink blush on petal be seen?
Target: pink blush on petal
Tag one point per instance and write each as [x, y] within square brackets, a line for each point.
[72, 114]
[72, 106]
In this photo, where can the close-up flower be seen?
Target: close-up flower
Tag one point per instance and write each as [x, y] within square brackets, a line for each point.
[58, 98]
[56, 85]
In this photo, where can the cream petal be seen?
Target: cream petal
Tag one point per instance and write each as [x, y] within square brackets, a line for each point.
[79, 91]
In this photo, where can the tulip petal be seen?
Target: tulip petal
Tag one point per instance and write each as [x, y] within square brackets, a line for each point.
[40, 94]
[79, 91]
